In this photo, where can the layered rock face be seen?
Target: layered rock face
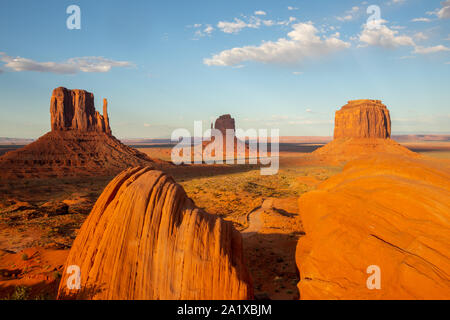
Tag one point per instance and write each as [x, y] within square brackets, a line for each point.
[75, 110]
[363, 119]
[145, 239]
[80, 144]
[225, 122]
[362, 128]
[390, 211]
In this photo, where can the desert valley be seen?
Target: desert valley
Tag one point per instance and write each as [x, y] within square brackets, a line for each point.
[140, 227]
[224, 159]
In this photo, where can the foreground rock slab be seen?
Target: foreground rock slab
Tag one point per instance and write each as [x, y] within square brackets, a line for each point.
[145, 239]
[389, 211]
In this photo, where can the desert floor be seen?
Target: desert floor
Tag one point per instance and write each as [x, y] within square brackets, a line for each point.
[35, 236]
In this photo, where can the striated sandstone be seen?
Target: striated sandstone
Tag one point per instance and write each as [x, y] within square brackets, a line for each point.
[362, 128]
[363, 119]
[391, 211]
[145, 239]
[75, 110]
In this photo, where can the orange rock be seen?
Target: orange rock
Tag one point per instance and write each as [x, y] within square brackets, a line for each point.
[80, 144]
[362, 127]
[363, 119]
[343, 150]
[145, 239]
[390, 211]
[75, 110]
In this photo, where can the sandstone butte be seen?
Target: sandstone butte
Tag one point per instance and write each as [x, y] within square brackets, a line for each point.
[240, 148]
[362, 127]
[392, 211]
[363, 119]
[224, 123]
[145, 239]
[80, 143]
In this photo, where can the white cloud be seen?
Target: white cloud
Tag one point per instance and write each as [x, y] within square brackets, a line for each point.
[253, 22]
[235, 26]
[260, 13]
[388, 38]
[292, 8]
[428, 50]
[208, 29]
[447, 62]
[420, 36]
[146, 125]
[301, 43]
[345, 18]
[297, 73]
[441, 13]
[349, 15]
[444, 13]
[70, 66]
[380, 35]
[421, 20]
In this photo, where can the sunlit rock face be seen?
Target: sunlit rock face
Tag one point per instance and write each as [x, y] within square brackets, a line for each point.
[80, 144]
[75, 110]
[363, 119]
[145, 239]
[389, 211]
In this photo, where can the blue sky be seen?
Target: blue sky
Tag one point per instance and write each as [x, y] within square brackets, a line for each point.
[271, 64]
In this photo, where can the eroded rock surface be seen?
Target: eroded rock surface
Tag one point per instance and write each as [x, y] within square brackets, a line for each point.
[145, 239]
[362, 128]
[389, 211]
[363, 119]
[75, 110]
[80, 144]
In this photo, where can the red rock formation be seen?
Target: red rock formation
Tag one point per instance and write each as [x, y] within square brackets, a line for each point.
[75, 110]
[389, 211]
[362, 127]
[225, 122]
[80, 144]
[145, 239]
[363, 119]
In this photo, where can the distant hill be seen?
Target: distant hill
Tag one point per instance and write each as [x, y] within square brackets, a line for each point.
[15, 141]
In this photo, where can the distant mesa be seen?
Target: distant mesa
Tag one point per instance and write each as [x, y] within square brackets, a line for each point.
[146, 240]
[362, 127]
[227, 127]
[363, 119]
[80, 143]
[224, 123]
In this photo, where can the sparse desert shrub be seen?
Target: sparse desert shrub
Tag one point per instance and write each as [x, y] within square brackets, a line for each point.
[20, 293]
